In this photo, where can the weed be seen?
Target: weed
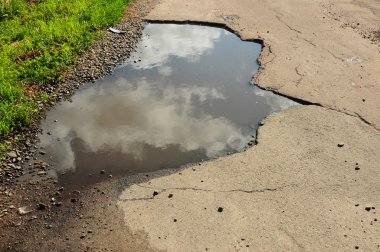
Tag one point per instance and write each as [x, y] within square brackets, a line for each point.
[38, 40]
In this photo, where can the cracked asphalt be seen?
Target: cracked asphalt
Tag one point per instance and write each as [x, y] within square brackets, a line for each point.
[312, 181]
[307, 184]
[295, 190]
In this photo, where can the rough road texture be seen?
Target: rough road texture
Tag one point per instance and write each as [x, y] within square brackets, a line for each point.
[311, 52]
[296, 190]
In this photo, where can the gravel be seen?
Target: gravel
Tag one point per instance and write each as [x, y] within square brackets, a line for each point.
[26, 159]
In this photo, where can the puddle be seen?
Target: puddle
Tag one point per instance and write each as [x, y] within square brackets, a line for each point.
[183, 96]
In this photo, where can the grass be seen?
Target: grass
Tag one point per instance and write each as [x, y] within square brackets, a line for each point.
[38, 40]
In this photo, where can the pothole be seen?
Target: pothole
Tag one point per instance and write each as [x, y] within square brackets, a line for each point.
[184, 96]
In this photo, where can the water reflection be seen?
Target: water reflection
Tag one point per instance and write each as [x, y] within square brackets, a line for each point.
[182, 97]
[132, 117]
[179, 40]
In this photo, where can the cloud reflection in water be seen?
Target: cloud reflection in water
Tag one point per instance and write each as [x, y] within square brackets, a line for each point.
[188, 98]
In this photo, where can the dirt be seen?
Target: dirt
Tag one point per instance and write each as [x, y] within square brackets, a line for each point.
[49, 203]
[295, 190]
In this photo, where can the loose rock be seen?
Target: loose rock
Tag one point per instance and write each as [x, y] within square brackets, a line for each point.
[24, 210]
[12, 154]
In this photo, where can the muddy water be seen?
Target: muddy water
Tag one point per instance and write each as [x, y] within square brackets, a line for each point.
[183, 96]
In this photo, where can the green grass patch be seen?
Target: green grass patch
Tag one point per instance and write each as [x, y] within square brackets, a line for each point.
[39, 39]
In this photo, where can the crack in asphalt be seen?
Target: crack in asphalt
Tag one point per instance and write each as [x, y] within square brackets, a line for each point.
[256, 77]
[336, 57]
[270, 52]
[290, 28]
[263, 189]
[307, 41]
[292, 238]
[162, 190]
[299, 74]
[365, 121]
[353, 114]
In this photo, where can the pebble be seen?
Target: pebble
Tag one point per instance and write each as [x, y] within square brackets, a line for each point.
[17, 224]
[12, 154]
[24, 210]
[59, 203]
[220, 209]
[340, 145]
[41, 206]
